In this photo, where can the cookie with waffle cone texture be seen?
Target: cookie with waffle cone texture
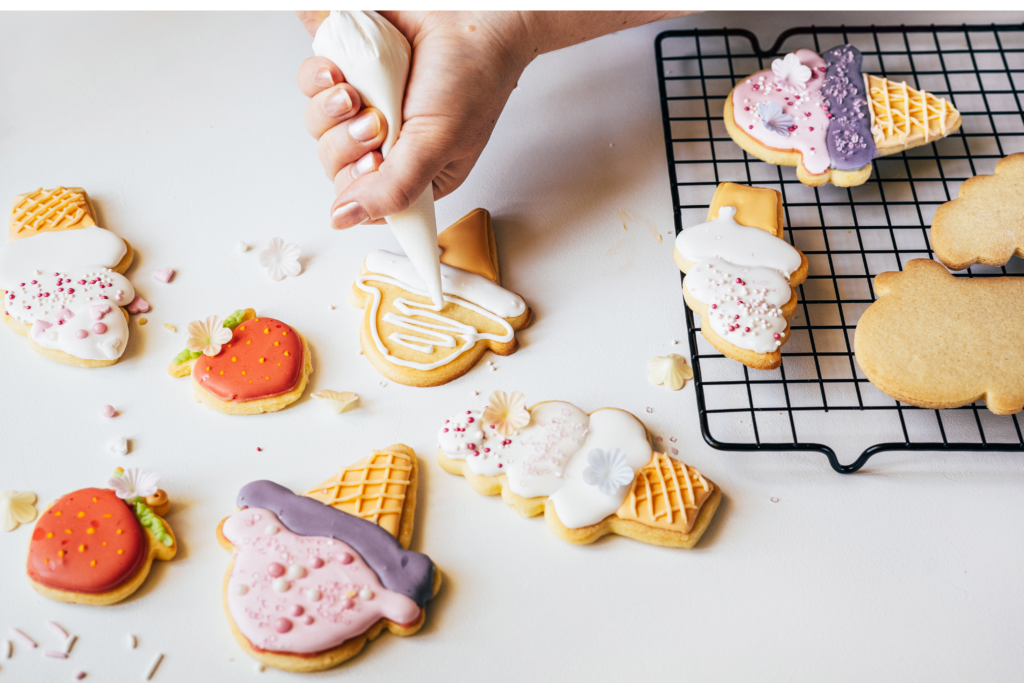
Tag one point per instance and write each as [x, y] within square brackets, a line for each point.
[62, 280]
[934, 340]
[407, 339]
[244, 365]
[741, 275]
[590, 475]
[985, 223]
[95, 546]
[823, 115]
[341, 573]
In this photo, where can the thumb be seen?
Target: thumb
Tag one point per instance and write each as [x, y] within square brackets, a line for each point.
[408, 170]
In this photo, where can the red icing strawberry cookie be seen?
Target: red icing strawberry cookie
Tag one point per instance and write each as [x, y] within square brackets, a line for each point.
[244, 365]
[95, 546]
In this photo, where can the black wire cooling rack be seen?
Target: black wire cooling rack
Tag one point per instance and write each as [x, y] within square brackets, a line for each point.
[849, 235]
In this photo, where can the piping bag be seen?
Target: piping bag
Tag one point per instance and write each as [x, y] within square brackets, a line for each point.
[374, 57]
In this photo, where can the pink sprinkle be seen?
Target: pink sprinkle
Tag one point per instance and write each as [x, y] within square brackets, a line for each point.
[23, 638]
[812, 149]
[298, 610]
[714, 306]
[751, 127]
[476, 454]
[282, 625]
[675, 451]
[807, 113]
[757, 87]
[163, 275]
[345, 558]
[499, 465]
[746, 329]
[258, 449]
[99, 328]
[810, 128]
[746, 108]
[469, 412]
[472, 446]
[275, 569]
[776, 335]
[316, 563]
[487, 450]
[33, 282]
[80, 675]
[138, 305]
[445, 429]
[55, 654]
[55, 627]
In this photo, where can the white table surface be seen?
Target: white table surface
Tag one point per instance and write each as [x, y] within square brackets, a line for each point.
[186, 130]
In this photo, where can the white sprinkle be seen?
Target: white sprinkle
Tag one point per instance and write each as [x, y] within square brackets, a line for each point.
[241, 247]
[23, 638]
[55, 627]
[493, 368]
[474, 393]
[383, 384]
[118, 445]
[152, 668]
[69, 643]
[55, 654]
[260, 668]
[132, 642]
[774, 499]
[650, 409]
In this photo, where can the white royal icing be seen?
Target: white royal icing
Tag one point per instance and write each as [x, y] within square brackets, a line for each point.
[427, 328]
[547, 456]
[725, 239]
[58, 282]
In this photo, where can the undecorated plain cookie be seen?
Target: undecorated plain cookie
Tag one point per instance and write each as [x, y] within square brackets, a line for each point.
[341, 571]
[741, 275]
[95, 546]
[985, 223]
[62, 279]
[934, 340]
[589, 474]
[824, 116]
[410, 342]
[244, 365]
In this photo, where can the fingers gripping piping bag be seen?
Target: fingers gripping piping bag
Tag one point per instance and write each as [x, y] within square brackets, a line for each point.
[374, 57]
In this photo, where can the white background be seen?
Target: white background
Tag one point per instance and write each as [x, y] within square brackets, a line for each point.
[187, 132]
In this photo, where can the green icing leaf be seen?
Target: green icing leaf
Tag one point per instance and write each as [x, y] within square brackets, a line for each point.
[231, 322]
[148, 518]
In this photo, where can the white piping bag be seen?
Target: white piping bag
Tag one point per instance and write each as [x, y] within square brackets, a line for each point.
[374, 57]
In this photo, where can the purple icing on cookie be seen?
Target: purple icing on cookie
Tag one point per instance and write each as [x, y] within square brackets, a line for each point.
[850, 144]
[403, 571]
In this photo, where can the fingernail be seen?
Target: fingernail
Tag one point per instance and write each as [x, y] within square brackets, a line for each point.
[337, 104]
[364, 128]
[347, 215]
[363, 166]
[323, 78]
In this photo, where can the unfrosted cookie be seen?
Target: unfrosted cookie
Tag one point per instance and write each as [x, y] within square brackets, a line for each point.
[244, 365]
[985, 224]
[824, 116]
[95, 546]
[341, 571]
[589, 474]
[410, 342]
[741, 275]
[937, 341]
[62, 279]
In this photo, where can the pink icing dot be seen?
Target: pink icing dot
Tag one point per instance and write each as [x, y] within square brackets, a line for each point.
[298, 611]
[316, 563]
[106, 411]
[445, 429]
[345, 603]
[71, 290]
[276, 569]
[345, 558]
[469, 420]
[308, 619]
[811, 128]
[282, 625]
[99, 328]
[776, 335]
[81, 334]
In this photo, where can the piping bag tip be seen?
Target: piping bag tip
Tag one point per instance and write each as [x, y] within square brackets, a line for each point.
[416, 232]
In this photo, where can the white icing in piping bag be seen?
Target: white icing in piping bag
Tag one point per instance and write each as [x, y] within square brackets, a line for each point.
[374, 57]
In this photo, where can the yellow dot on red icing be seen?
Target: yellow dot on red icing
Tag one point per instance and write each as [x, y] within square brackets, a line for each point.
[81, 548]
[95, 500]
[207, 367]
[242, 328]
[278, 365]
[61, 553]
[285, 333]
[243, 372]
[266, 378]
[90, 530]
[248, 341]
[287, 354]
[108, 515]
[93, 563]
[82, 514]
[120, 531]
[262, 359]
[104, 544]
[222, 372]
[266, 330]
[67, 531]
[277, 343]
[234, 358]
[120, 551]
[57, 514]
[229, 346]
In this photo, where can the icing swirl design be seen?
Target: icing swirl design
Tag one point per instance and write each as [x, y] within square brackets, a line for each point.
[850, 143]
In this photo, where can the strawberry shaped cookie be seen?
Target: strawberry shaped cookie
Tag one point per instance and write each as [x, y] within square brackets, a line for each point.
[95, 546]
[244, 365]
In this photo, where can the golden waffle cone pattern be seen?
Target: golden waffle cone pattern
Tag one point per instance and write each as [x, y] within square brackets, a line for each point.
[373, 488]
[903, 117]
[48, 210]
[666, 494]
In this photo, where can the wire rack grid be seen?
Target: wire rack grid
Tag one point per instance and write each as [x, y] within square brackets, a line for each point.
[849, 235]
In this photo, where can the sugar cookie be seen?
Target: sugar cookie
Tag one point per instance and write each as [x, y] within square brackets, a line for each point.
[741, 276]
[590, 475]
[62, 279]
[407, 339]
[985, 224]
[938, 341]
[244, 365]
[824, 116]
[95, 546]
[341, 571]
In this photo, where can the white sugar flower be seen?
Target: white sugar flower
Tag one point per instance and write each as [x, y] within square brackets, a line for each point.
[607, 470]
[789, 71]
[207, 337]
[134, 483]
[506, 413]
[670, 370]
[280, 259]
[16, 507]
[773, 118]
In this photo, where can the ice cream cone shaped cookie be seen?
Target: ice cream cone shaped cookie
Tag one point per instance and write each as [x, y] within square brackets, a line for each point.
[244, 365]
[62, 279]
[590, 475]
[741, 275]
[821, 114]
[95, 546]
[411, 342]
[341, 572]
